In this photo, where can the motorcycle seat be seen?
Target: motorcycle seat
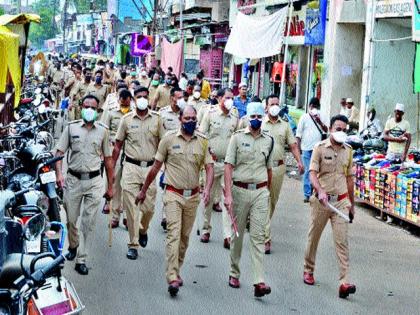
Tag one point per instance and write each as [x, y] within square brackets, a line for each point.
[11, 268]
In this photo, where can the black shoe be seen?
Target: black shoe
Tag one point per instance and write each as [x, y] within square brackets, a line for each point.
[143, 240]
[173, 288]
[306, 200]
[81, 269]
[71, 255]
[163, 224]
[132, 254]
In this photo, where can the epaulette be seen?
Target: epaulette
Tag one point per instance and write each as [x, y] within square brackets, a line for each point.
[75, 121]
[240, 130]
[200, 134]
[153, 112]
[171, 132]
[321, 143]
[103, 125]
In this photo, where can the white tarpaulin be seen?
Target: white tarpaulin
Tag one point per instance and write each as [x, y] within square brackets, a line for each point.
[257, 37]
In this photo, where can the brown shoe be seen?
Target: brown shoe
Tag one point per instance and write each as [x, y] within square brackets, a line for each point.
[205, 238]
[105, 209]
[234, 282]
[173, 288]
[308, 278]
[346, 289]
[125, 223]
[261, 289]
[226, 243]
[217, 208]
[268, 247]
[115, 224]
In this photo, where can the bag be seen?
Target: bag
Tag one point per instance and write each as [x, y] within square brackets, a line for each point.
[323, 134]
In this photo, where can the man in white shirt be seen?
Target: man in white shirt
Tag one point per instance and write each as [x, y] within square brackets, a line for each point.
[309, 132]
[397, 133]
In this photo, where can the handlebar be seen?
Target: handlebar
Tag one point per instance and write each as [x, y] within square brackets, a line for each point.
[53, 160]
[40, 275]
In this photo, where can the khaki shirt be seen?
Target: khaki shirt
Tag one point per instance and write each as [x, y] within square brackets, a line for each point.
[282, 135]
[111, 102]
[112, 119]
[58, 76]
[86, 145]
[197, 104]
[101, 93]
[163, 96]
[332, 167]
[250, 157]
[219, 129]
[202, 112]
[152, 92]
[170, 119]
[144, 81]
[183, 159]
[141, 135]
[79, 92]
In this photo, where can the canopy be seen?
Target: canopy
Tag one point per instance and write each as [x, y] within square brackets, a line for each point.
[257, 37]
[9, 54]
[19, 19]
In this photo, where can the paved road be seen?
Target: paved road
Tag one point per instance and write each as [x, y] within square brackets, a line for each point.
[384, 266]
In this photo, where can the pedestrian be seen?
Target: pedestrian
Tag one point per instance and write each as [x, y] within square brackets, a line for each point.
[397, 133]
[154, 83]
[79, 92]
[112, 119]
[195, 99]
[144, 79]
[352, 114]
[99, 90]
[343, 108]
[310, 131]
[58, 79]
[139, 132]
[163, 94]
[184, 152]
[332, 180]
[112, 99]
[373, 125]
[204, 84]
[183, 82]
[248, 166]
[242, 100]
[218, 125]
[70, 88]
[282, 134]
[86, 140]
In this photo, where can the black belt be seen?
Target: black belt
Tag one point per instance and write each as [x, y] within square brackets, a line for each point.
[84, 176]
[139, 163]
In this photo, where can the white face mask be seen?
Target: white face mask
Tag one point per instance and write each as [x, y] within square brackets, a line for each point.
[228, 104]
[313, 111]
[144, 74]
[339, 136]
[181, 103]
[142, 103]
[196, 95]
[274, 110]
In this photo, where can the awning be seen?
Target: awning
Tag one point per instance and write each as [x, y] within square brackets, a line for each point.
[19, 19]
[257, 37]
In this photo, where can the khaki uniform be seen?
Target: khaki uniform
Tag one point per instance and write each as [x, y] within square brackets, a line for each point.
[56, 87]
[112, 120]
[71, 87]
[197, 104]
[86, 148]
[100, 92]
[152, 92]
[250, 158]
[111, 102]
[76, 95]
[332, 168]
[162, 96]
[219, 128]
[183, 161]
[141, 137]
[282, 135]
[144, 81]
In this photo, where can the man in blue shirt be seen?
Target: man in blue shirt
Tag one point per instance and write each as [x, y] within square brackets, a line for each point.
[241, 101]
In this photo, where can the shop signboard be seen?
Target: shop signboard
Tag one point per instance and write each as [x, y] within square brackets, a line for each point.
[393, 8]
[416, 21]
[297, 27]
[211, 61]
[316, 17]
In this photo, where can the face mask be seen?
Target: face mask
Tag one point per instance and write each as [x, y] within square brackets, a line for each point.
[168, 82]
[313, 111]
[255, 123]
[98, 80]
[274, 110]
[155, 82]
[88, 78]
[144, 74]
[228, 104]
[89, 114]
[189, 127]
[339, 136]
[111, 66]
[142, 103]
[196, 95]
[125, 109]
[133, 73]
[181, 103]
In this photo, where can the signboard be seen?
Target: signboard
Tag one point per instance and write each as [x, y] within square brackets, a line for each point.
[211, 61]
[416, 21]
[316, 17]
[297, 27]
[393, 8]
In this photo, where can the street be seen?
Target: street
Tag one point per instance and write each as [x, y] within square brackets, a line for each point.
[384, 266]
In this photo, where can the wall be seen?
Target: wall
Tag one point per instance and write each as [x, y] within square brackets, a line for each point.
[392, 76]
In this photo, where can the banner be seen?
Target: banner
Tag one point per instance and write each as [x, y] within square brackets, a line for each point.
[416, 74]
[316, 17]
[172, 56]
[140, 44]
[416, 21]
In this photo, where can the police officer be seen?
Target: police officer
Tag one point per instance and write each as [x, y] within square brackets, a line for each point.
[79, 92]
[331, 177]
[140, 132]
[184, 152]
[112, 100]
[282, 134]
[248, 164]
[195, 99]
[99, 90]
[112, 120]
[219, 124]
[87, 141]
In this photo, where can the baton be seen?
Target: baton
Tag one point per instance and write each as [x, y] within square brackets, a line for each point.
[341, 214]
[110, 224]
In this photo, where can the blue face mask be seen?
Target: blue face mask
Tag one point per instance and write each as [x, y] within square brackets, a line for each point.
[255, 123]
[189, 127]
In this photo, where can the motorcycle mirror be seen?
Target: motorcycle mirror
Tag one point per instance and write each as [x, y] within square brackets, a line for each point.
[34, 227]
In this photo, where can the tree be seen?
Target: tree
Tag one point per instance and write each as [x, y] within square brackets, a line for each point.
[1, 11]
[38, 33]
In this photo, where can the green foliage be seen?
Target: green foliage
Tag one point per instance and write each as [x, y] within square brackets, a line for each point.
[83, 6]
[46, 9]
[1, 11]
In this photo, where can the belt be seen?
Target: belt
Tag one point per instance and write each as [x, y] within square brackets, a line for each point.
[139, 163]
[336, 198]
[278, 163]
[183, 192]
[250, 186]
[220, 160]
[84, 176]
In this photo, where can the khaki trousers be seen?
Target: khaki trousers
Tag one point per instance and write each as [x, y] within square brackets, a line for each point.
[89, 192]
[180, 217]
[276, 183]
[319, 218]
[215, 195]
[252, 203]
[117, 190]
[138, 216]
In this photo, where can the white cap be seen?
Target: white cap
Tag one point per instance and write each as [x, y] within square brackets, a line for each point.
[242, 84]
[399, 107]
[349, 100]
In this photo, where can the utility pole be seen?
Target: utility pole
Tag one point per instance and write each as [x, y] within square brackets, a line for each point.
[92, 33]
[66, 3]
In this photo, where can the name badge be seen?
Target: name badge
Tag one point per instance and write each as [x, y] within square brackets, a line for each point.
[246, 145]
[134, 126]
[177, 146]
[75, 137]
[328, 157]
